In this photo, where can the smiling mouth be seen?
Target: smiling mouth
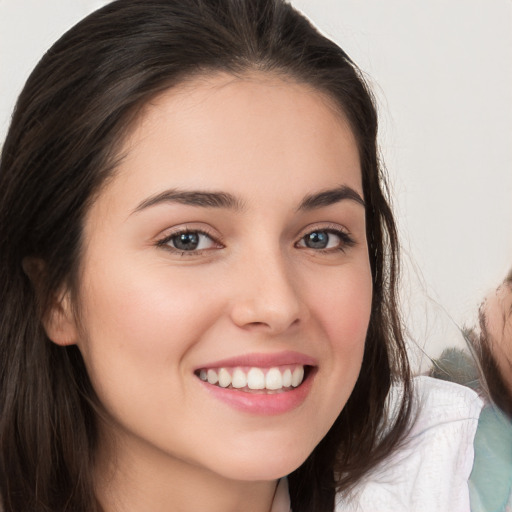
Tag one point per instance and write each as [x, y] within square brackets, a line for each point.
[277, 379]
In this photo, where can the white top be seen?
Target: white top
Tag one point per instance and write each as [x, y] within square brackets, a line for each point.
[431, 470]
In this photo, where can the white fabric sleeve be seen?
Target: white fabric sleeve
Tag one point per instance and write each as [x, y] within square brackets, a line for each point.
[430, 471]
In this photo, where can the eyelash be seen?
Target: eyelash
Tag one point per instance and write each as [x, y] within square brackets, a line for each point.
[346, 241]
[164, 242]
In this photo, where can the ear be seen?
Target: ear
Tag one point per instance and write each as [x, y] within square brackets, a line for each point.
[59, 321]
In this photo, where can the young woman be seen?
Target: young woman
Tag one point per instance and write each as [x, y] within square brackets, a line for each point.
[199, 268]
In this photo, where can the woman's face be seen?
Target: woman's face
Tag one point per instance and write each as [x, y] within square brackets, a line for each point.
[227, 257]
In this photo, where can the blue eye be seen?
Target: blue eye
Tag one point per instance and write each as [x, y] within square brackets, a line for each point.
[318, 240]
[188, 241]
[326, 239]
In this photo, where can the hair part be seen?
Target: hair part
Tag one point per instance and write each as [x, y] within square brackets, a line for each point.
[69, 122]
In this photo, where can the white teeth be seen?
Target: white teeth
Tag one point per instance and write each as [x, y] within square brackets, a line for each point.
[239, 379]
[224, 378]
[255, 379]
[212, 376]
[274, 379]
[297, 376]
[287, 378]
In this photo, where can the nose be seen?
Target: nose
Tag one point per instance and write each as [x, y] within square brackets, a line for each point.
[267, 294]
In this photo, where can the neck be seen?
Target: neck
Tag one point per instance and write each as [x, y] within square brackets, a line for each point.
[140, 478]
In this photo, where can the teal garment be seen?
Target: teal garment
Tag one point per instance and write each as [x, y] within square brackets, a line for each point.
[490, 483]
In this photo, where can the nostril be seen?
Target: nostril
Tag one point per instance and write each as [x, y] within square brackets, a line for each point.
[272, 326]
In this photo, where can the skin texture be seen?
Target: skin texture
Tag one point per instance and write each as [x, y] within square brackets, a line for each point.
[150, 316]
[497, 314]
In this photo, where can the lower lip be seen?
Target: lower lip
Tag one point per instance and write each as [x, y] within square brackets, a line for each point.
[263, 403]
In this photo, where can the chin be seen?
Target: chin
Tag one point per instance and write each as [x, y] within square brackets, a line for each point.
[269, 465]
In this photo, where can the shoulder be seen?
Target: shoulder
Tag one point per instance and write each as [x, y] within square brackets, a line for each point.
[440, 401]
[490, 484]
[430, 470]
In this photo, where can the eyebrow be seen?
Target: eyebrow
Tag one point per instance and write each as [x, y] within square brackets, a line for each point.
[329, 197]
[193, 198]
[225, 200]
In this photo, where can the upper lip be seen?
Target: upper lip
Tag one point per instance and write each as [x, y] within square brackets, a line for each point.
[263, 360]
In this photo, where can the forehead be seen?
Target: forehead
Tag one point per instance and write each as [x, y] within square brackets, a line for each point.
[240, 133]
[254, 100]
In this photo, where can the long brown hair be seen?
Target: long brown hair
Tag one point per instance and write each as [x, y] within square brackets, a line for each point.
[77, 105]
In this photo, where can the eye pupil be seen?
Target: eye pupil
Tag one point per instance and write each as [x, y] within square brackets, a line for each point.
[186, 241]
[317, 240]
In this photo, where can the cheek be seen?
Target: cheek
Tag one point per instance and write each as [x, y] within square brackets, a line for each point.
[497, 314]
[345, 308]
[137, 298]
[140, 320]
[344, 311]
